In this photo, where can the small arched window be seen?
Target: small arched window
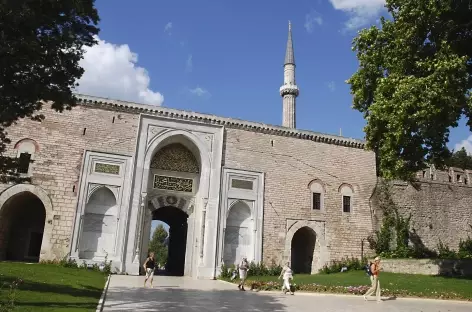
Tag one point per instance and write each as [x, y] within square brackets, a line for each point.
[26, 150]
[347, 193]
[317, 195]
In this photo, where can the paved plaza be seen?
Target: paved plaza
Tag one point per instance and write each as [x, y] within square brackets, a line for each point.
[126, 293]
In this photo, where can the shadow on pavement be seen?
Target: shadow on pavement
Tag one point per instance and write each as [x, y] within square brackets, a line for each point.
[183, 300]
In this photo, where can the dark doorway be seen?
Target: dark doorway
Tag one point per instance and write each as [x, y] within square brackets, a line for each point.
[177, 240]
[22, 220]
[303, 247]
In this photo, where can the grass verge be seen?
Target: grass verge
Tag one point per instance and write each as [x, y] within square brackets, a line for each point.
[48, 287]
[357, 282]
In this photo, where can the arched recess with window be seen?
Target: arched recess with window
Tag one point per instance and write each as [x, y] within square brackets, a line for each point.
[238, 233]
[99, 225]
[347, 196]
[26, 152]
[317, 193]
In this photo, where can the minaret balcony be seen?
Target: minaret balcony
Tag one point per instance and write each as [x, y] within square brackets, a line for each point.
[289, 89]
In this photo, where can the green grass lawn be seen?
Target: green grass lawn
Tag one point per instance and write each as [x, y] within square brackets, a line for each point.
[392, 284]
[53, 288]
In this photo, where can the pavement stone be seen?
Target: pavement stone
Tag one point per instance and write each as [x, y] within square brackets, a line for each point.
[126, 293]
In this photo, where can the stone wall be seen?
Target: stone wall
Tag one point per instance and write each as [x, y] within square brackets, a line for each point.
[439, 211]
[290, 164]
[61, 140]
[428, 267]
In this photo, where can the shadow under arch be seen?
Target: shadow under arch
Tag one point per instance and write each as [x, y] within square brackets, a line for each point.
[46, 251]
[177, 241]
[302, 249]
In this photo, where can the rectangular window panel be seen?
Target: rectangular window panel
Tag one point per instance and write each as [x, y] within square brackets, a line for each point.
[173, 184]
[107, 168]
[346, 203]
[241, 184]
[316, 201]
[24, 162]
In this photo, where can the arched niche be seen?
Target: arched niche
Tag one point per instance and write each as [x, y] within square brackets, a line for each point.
[99, 225]
[41, 205]
[317, 194]
[302, 250]
[238, 233]
[22, 220]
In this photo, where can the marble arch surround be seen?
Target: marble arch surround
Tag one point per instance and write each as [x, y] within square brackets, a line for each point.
[207, 140]
[321, 253]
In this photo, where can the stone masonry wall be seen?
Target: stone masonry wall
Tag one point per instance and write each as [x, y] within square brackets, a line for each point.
[62, 142]
[428, 266]
[439, 211]
[290, 164]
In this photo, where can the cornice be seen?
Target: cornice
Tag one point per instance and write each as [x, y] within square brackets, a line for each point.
[104, 103]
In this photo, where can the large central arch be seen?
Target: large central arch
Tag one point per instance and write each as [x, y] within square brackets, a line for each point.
[176, 165]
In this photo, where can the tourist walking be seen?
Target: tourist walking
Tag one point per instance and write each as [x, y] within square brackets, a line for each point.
[149, 267]
[243, 266]
[287, 275]
[375, 288]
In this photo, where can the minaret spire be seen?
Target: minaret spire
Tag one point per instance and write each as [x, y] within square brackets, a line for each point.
[289, 90]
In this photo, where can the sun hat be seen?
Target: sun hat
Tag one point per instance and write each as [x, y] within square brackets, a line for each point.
[377, 259]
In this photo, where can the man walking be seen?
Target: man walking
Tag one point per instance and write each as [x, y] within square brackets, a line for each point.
[243, 266]
[375, 269]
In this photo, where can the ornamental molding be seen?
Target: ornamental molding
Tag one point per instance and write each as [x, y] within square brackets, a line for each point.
[93, 187]
[129, 107]
[184, 203]
[289, 89]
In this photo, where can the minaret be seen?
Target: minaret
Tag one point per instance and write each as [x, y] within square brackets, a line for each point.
[289, 91]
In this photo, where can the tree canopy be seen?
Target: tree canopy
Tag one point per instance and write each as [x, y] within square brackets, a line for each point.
[414, 82]
[460, 159]
[157, 244]
[40, 48]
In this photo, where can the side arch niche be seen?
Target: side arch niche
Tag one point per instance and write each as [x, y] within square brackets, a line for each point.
[237, 239]
[99, 225]
[26, 214]
[302, 250]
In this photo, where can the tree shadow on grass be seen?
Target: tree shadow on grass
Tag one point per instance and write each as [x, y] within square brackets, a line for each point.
[183, 300]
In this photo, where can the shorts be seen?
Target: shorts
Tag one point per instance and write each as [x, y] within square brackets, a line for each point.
[242, 274]
[149, 273]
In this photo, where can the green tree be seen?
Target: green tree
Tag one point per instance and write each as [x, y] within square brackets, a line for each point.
[158, 244]
[413, 82]
[460, 159]
[40, 48]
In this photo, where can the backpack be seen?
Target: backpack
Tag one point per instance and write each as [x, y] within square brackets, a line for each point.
[368, 270]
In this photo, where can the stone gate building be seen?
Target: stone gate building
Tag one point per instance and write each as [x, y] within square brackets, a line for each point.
[228, 188]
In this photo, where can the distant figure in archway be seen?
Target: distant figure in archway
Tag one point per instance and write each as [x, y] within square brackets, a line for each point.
[149, 267]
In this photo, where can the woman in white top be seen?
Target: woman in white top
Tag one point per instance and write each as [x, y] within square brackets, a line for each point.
[287, 275]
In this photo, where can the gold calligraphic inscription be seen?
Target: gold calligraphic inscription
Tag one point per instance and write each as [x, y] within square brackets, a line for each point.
[107, 168]
[175, 157]
[173, 183]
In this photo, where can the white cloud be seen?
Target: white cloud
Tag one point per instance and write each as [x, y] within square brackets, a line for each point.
[111, 71]
[331, 86]
[311, 19]
[189, 64]
[361, 12]
[199, 91]
[467, 144]
[168, 28]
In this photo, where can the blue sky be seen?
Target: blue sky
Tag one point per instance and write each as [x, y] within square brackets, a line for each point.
[226, 57]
